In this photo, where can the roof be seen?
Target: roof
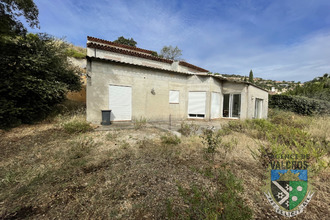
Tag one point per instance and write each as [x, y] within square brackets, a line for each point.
[113, 47]
[183, 63]
[118, 45]
[139, 65]
[127, 52]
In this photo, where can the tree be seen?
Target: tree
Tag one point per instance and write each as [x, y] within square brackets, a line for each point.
[126, 41]
[169, 52]
[10, 10]
[35, 77]
[251, 77]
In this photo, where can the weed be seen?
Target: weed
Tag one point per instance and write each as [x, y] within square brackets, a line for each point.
[124, 145]
[170, 139]
[76, 126]
[188, 129]
[237, 125]
[222, 203]
[112, 135]
[139, 123]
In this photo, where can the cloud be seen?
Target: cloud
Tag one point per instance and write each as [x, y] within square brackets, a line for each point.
[277, 39]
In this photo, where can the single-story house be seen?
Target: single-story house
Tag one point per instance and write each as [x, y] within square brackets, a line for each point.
[134, 83]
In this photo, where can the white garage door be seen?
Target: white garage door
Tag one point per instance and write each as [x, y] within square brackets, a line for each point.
[215, 105]
[196, 104]
[120, 102]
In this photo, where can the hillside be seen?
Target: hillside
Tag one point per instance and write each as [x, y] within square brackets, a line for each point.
[318, 88]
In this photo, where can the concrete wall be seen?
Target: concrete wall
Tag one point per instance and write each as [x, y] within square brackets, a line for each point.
[253, 94]
[155, 106]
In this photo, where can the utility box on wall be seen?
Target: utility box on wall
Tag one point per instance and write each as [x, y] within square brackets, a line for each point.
[106, 117]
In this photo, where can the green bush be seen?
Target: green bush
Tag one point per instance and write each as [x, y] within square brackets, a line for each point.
[76, 126]
[36, 76]
[188, 129]
[170, 139]
[300, 105]
[72, 52]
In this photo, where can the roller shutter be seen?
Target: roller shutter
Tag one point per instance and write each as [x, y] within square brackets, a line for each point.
[120, 102]
[196, 104]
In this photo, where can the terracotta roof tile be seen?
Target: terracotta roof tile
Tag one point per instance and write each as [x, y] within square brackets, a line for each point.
[183, 63]
[118, 45]
[127, 52]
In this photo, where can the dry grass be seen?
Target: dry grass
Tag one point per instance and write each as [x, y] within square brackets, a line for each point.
[46, 173]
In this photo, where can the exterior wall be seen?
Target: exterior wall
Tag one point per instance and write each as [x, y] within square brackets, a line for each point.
[253, 94]
[154, 107]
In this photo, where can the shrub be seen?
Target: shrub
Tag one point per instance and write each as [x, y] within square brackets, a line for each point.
[170, 139]
[211, 140]
[188, 129]
[300, 105]
[36, 76]
[139, 123]
[76, 126]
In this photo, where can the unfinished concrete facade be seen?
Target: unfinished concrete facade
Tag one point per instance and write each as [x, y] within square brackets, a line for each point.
[133, 83]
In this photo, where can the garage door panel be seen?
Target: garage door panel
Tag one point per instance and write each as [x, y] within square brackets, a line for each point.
[120, 102]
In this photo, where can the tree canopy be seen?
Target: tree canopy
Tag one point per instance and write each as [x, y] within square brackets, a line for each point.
[126, 41]
[251, 76]
[34, 68]
[318, 88]
[170, 52]
[11, 10]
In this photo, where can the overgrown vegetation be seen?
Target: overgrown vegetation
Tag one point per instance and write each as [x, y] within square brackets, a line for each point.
[76, 52]
[76, 126]
[318, 88]
[139, 122]
[187, 129]
[223, 202]
[300, 105]
[46, 173]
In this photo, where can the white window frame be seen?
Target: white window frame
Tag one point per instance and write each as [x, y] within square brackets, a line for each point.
[231, 98]
[171, 94]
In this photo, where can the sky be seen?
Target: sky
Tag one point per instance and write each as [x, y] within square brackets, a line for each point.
[277, 39]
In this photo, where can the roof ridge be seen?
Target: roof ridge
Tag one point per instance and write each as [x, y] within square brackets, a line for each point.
[118, 44]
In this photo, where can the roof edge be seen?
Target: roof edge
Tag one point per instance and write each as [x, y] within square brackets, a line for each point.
[127, 52]
[118, 45]
[183, 63]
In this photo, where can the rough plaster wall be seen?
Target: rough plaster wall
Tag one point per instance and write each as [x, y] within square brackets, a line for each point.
[144, 104]
[255, 93]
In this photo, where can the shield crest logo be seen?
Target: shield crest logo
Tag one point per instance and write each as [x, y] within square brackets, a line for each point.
[289, 188]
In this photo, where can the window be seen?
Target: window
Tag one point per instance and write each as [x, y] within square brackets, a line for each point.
[174, 97]
[231, 105]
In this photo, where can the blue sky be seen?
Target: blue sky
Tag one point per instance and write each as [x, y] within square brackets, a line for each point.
[277, 39]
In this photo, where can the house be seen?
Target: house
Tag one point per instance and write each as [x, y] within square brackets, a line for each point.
[133, 83]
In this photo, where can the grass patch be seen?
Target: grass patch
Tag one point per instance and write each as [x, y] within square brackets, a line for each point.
[223, 202]
[75, 126]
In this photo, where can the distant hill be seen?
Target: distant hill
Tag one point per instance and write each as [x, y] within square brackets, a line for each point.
[318, 88]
